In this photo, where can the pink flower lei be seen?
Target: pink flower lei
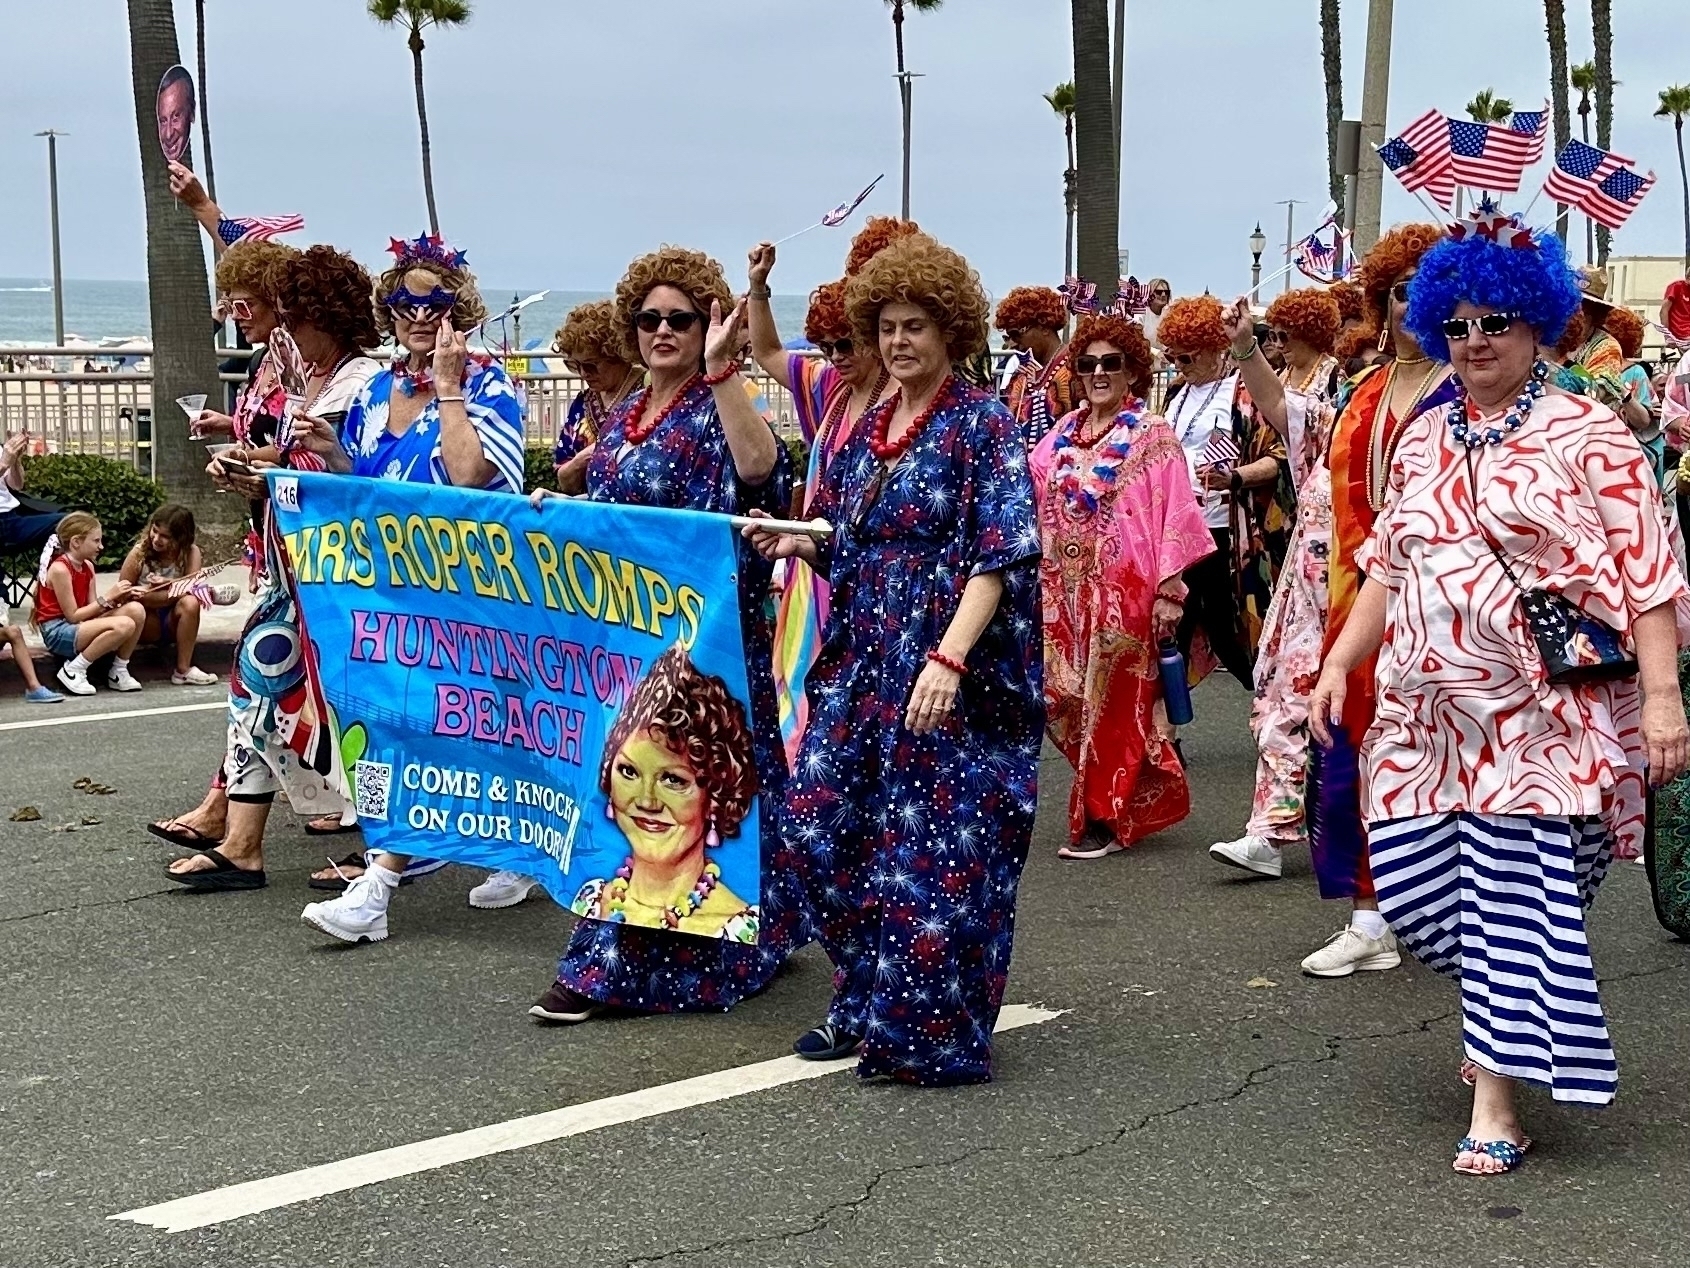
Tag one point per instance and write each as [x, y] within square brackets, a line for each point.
[1086, 475]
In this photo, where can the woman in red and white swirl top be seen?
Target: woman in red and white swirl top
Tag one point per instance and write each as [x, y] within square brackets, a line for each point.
[1494, 796]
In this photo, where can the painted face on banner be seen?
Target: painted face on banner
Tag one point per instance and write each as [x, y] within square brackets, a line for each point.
[659, 805]
[175, 109]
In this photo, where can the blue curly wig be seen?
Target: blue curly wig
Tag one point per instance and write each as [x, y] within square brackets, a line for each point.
[1537, 283]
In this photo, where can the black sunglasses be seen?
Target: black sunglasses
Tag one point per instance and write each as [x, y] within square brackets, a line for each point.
[649, 320]
[1399, 292]
[1161, 290]
[1490, 325]
[1109, 363]
[1276, 336]
[1182, 358]
[834, 347]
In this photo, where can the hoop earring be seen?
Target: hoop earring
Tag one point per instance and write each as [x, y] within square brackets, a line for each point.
[1384, 337]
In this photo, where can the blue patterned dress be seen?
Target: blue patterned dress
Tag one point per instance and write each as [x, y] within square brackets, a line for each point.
[912, 846]
[493, 408]
[686, 464]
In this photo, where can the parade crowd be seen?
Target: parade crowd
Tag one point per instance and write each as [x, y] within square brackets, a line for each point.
[1425, 517]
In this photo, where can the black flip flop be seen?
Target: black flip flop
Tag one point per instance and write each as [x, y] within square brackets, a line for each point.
[336, 831]
[224, 877]
[183, 837]
[333, 884]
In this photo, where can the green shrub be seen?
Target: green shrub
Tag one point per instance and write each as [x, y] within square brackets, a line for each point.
[537, 469]
[800, 457]
[119, 497]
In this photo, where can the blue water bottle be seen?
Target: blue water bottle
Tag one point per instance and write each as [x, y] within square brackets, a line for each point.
[1176, 691]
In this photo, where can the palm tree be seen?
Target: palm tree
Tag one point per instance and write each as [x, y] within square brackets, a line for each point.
[205, 110]
[1602, 46]
[1583, 77]
[1061, 100]
[177, 291]
[1674, 105]
[898, 7]
[414, 15]
[1555, 23]
[1331, 62]
[1487, 107]
[1098, 191]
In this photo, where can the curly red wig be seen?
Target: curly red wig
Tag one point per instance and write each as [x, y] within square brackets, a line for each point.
[1392, 256]
[1309, 314]
[1123, 333]
[1193, 324]
[877, 233]
[329, 291]
[1031, 308]
[694, 715]
[921, 271]
[1573, 337]
[1627, 327]
[826, 318]
[1351, 303]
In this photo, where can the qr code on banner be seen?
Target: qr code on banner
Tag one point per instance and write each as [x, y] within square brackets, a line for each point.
[373, 782]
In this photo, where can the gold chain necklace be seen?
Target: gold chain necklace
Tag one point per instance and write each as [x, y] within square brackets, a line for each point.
[1376, 442]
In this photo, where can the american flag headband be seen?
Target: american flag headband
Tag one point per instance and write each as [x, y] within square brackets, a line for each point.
[1487, 220]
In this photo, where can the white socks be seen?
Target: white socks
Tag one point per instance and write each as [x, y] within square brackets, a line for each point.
[1370, 923]
[118, 665]
[389, 880]
[77, 664]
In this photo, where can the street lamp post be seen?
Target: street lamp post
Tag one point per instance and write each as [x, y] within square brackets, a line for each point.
[1258, 244]
[53, 200]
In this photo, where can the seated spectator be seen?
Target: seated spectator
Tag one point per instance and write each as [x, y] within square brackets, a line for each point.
[12, 640]
[19, 529]
[165, 553]
[77, 624]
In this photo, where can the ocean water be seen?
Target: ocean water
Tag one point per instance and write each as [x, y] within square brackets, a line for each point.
[105, 310]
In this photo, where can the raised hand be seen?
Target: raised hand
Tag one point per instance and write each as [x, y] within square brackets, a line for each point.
[186, 187]
[725, 338]
[760, 264]
[1240, 323]
[451, 353]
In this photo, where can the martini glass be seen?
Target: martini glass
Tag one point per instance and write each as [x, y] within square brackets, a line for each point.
[193, 406]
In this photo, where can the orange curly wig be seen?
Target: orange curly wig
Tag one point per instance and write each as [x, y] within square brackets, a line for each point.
[256, 267]
[921, 271]
[1573, 337]
[1351, 303]
[590, 333]
[826, 318]
[693, 273]
[877, 233]
[1193, 324]
[1391, 257]
[1627, 327]
[1309, 314]
[1031, 308]
[1123, 333]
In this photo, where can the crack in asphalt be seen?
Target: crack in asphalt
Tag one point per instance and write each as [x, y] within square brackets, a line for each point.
[1333, 1044]
[114, 902]
[1629, 977]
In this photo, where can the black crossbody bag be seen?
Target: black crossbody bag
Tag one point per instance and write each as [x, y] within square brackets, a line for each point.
[1575, 647]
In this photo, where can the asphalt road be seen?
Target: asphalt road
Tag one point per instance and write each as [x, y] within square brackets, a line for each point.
[156, 1045]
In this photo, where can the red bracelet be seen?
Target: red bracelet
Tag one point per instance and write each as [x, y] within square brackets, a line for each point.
[955, 666]
[721, 376]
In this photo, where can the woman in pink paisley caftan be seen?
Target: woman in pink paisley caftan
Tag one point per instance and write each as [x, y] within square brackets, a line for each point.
[1118, 524]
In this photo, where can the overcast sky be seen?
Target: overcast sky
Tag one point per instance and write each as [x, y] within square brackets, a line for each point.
[570, 135]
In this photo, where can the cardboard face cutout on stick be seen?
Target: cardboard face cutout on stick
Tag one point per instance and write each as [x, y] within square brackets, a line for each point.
[175, 110]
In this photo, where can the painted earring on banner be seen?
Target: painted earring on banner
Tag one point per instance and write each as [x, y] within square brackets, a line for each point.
[711, 840]
[609, 810]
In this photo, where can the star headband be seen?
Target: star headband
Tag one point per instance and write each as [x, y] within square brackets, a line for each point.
[1488, 220]
[425, 248]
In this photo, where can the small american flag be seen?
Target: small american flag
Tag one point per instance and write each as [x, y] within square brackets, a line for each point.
[257, 228]
[1488, 155]
[1599, 183]
[1220, 450]
[840, 214]
[1420, 158]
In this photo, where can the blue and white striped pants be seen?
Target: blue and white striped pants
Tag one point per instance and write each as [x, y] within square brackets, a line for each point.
[1498, 902]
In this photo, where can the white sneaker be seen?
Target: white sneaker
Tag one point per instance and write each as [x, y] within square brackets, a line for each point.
[75, 680]
[359, 914]
[193, 676]
[122, 680]
[1253, 854]
[501, 889]
[1350, 949]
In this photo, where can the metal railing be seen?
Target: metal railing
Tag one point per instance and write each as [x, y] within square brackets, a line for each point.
[113, 413]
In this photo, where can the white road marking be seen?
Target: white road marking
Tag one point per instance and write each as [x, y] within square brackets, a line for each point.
[71, 719]
[237, 1200]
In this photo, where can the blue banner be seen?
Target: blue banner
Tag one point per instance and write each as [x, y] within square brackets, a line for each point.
[560, 692]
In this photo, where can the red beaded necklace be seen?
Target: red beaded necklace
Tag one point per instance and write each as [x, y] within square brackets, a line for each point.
[886, 450]
[635, 430]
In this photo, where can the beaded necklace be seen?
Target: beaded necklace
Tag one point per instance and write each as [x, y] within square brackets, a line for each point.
[889, 451]
[1462, 425]
[1085, 483]
[635, 430]
[616, 895]
[1381, 415]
